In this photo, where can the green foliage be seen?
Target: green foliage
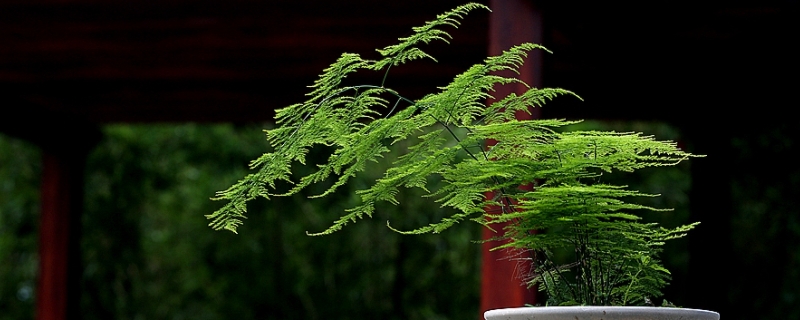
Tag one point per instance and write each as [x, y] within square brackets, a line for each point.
[764, 219]
[20, 170]
[615, 255]
[146, 254]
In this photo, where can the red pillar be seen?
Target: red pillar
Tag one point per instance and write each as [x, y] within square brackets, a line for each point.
[65, 142]
[511, 22]
[59, 257]
[65, 147]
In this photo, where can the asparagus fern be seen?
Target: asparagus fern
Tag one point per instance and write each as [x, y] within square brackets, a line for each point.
[615, 254]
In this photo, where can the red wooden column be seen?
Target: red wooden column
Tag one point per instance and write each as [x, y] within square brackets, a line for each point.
[65, 145]
[57, 294]
[511, 22]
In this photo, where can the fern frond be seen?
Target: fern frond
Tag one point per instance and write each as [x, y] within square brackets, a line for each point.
[512, 58]
[430, 31]
[352, 216]
[506, 108]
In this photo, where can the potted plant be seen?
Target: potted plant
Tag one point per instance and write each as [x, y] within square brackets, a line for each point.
[566, 208]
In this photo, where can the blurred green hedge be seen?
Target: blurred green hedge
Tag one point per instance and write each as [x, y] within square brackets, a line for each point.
[148, 253]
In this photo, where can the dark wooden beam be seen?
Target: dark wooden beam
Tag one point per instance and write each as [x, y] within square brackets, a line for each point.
[146, 61]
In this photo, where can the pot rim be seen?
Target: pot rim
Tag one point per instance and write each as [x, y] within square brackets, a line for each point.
[600, 312]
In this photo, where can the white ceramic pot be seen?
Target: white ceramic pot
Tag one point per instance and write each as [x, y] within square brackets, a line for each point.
[600, 313]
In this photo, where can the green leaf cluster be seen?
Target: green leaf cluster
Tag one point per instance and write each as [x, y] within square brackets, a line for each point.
[565, 206]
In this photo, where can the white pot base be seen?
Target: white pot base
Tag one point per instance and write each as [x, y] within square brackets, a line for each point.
[600, 313]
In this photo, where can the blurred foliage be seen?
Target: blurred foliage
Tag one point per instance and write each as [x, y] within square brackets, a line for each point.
[20, 172]
[765, 220]
[148, 253]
